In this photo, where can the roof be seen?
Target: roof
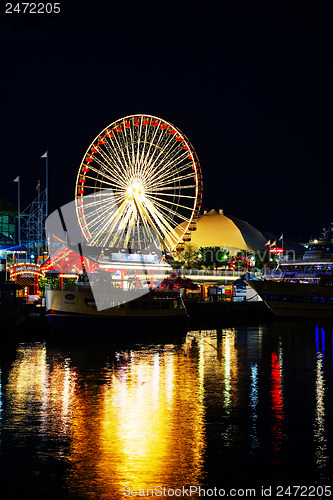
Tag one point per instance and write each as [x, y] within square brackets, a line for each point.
[7, 208]
[68, 260]
[15, 248]
[214, 229]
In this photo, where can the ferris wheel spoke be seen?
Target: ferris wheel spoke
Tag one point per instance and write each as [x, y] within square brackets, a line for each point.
[153, 195]
[142, 161]
[172, 181]
[176, 160]
[150, 144]
[88, 177]
[162, 189]
[165, 151]
[93, 209]
[146, 222]
[97, 220]
[169, 211]
[169, 214]
[167, 221]
[170, 167]
[158, 222]
[100, 225]
[167, 201]
[113, 167]
[131, 149]
[126, 150]
[164, 160]
[109, 225]
[109, 174]
[117, 149]
[149, 155]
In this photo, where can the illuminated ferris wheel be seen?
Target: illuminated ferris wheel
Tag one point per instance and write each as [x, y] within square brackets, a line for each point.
[139, 181]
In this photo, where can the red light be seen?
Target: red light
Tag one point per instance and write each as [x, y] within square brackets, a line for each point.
[276, 250]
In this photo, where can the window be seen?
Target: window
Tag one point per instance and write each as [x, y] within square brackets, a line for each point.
[7, 226]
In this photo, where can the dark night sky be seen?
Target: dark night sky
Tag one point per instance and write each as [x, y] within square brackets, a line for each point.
[250, 85]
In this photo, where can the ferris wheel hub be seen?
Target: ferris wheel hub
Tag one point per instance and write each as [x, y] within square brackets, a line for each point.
[135, 189]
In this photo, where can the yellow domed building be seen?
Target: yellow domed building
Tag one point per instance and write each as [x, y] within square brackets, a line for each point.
[214, 229]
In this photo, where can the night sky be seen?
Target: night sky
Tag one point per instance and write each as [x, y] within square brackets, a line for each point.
[250, 84]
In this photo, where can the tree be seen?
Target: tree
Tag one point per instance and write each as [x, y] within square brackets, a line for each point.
[213, 257]
[190, 256]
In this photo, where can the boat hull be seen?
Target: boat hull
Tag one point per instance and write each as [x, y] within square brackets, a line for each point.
[299, 300]
[76, 312]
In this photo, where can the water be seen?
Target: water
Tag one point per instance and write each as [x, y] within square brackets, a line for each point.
[243, 410]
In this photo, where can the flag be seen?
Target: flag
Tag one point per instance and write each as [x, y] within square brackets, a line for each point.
[44, 155]
[281, 237]
[268, 243]
[273, 244]
[17, 179]
[38, 185]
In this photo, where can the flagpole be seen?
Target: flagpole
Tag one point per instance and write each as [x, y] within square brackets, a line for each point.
[47, 183]
[39, 215]
[18, 211]
[281, 239]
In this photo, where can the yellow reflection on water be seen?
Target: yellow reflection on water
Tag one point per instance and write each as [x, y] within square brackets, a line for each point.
[218, 371]
[143, 428]
[41, 393]
[140, 427]
[27, 384]
[230, 366]
[60, 396]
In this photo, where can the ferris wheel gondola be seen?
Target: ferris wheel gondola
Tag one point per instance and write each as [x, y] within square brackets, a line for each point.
[139, 181]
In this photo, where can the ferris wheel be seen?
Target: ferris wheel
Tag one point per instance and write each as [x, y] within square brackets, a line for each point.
[139, 181]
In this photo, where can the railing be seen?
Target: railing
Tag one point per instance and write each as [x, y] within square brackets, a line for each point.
[218, 272]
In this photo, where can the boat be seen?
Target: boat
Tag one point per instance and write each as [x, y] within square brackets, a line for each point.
[74, 309]
[14, 310]
[302, 288]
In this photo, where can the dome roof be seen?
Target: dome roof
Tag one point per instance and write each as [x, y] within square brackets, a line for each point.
[214, 229]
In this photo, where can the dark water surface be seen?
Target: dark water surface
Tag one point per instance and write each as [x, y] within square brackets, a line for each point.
[233, 409]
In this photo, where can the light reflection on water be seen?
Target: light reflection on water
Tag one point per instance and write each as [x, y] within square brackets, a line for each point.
[319, 420]
[140, 428]
[254, 396]
[171, 415]
[277, 403]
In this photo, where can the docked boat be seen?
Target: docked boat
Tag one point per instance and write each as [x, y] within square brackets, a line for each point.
[75, 309]
[302, 288]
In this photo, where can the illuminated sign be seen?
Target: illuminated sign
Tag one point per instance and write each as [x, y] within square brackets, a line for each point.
[25, 269]
[276, 250]
[135, 257]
